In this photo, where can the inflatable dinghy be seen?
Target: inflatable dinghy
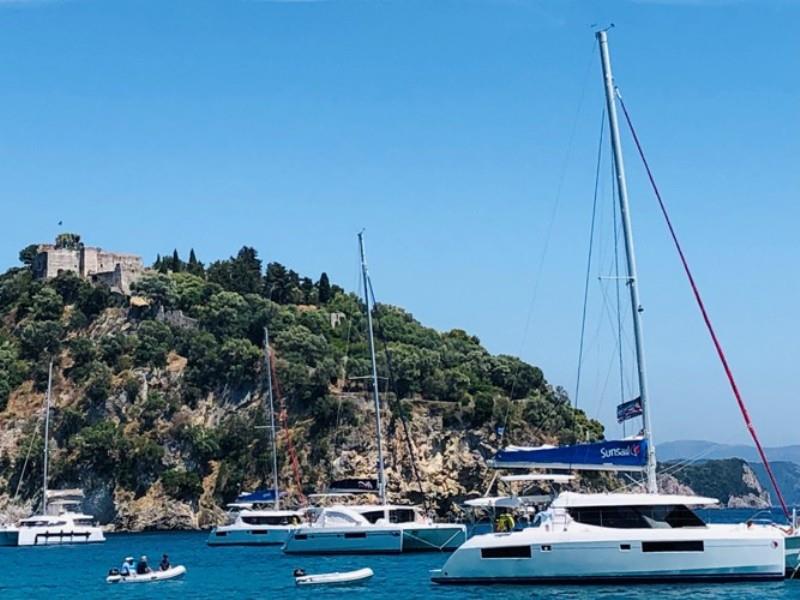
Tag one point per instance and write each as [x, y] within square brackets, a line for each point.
[171, 573]
[333, 578]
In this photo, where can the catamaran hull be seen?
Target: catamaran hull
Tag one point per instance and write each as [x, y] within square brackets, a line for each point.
[50, 536]
[436, 538]
[254, 536]
[792, 558]
[345, 540]
[499, 558]
[8, 537]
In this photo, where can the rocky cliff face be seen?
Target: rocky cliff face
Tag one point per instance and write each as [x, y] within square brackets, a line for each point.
[731, 481]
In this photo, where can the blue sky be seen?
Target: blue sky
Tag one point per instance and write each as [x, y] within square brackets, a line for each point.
[456, 132]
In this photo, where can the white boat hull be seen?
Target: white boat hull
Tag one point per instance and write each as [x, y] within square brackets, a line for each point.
[173, 573]
[335, 578]
[51, 536]
[535, 556]
[345, 540]
[267, 535]
[433, 538]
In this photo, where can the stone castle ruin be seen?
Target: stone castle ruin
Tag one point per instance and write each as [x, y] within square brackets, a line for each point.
[117, 271]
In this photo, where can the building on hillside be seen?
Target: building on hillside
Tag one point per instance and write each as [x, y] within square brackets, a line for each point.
[68, 254]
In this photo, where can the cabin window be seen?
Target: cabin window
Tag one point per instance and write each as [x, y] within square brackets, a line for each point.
[672, 546]
[625, 547]
[637, 517]
[84, 522]
[265, 520]
[300, 536]
[221, 533]
[506, 552]
[547, 548]
[396, 515]
[356, 534]
[259, 531]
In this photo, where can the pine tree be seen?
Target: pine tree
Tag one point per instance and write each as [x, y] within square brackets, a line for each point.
[176, 262]
[324, 289]
[194, 266]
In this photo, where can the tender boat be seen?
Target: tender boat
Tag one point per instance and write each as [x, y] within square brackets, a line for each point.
[171, 573]
[596, 538]
[334, 578]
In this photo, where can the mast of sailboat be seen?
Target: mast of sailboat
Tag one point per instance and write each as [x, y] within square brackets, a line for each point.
[633, 286]
[46, 436]
[273, 433]
[375, 393]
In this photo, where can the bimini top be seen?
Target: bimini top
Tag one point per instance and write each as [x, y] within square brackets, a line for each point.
[495, 502]
[608, 455]
[553, 478]
[578, 500]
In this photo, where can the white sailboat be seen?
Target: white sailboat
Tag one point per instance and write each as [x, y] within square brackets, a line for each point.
[250, 520]
[369, 528]
[616, 536]
[59, 522]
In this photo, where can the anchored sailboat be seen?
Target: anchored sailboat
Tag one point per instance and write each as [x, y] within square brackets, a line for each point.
[250, 522]
[370, 528]
[59, 522]
[616, 536]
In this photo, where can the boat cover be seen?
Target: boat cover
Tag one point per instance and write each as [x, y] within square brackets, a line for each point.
[615, 455]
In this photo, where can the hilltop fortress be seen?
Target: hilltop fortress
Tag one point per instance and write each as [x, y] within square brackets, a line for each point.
[117, 271]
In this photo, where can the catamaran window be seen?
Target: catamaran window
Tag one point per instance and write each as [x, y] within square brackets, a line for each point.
[84, 522]
[637, 517]
[506, 552]
[396, 515]
[42, 523]
[672, 546]
[266, 520]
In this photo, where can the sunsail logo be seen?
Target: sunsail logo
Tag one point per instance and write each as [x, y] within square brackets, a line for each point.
[629, 450]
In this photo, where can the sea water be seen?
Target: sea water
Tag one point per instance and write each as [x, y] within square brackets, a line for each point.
[79, 572]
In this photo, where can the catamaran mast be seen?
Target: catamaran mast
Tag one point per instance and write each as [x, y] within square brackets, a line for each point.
[46, 436]
[636, 308]
[375, 393]
[273, 433]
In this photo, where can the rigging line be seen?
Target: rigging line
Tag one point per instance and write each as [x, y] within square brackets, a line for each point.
[615, 220]
[701, 305]
[398, 407]
[589, 259]
[27, 457]
[345, 359]
[548, 235]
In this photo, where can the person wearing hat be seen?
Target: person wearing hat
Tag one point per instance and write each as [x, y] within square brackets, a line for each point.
[141, 567]
[128, 568]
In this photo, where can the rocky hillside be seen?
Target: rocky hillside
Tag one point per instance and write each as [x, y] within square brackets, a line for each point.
[158, 396]
[732, 481]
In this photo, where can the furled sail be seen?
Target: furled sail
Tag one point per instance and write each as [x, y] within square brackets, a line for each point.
[615, 455]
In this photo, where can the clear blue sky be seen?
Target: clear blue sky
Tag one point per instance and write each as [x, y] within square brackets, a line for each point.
[444, 128]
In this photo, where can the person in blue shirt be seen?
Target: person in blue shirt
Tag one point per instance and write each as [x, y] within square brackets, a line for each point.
[128, 568]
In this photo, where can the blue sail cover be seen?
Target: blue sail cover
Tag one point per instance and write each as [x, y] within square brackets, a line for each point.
[257, 496]
[620, 455]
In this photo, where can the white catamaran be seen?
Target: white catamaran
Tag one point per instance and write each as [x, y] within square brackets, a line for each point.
[371, 528]
[616, 536]
[59, 522]
[250, 520]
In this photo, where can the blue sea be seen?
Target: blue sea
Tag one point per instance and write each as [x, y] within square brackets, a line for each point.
[79, 572]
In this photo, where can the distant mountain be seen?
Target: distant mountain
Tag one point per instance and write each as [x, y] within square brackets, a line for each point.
[785, 462]
[705, 450]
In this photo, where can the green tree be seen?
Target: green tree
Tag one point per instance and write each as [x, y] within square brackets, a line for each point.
[159, 288]
[84, 353]
[324, 286]
[241, 359]
[12, 370]
[194, 266]
[225, 315]
[28, 254]
[40, 337]
[47, 305]
[154, 341]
